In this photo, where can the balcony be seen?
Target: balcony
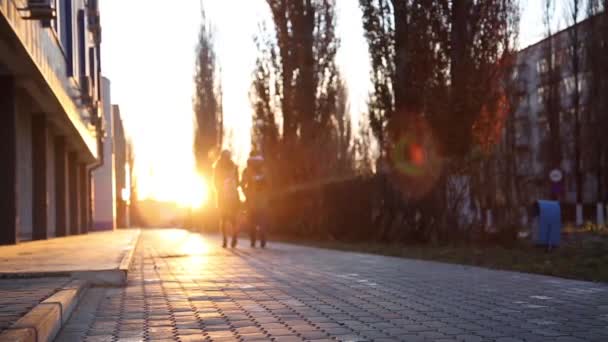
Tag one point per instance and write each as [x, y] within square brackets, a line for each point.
[41, 10]
[34, 53]
[94, 23]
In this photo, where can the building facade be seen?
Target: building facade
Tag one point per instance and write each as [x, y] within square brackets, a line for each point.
[104, 176]
[532, 121]
[49, 121]
[111, 178]
[120, 167]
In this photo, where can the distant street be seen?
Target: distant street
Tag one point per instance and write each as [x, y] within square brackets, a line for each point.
[186, 288]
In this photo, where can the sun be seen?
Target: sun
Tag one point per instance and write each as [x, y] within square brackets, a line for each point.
[194, 191]
[184, 187]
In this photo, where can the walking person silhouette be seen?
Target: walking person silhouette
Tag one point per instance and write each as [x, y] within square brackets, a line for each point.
[226, 182]
[255, 186]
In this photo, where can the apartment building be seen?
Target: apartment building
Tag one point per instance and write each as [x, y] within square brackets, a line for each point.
[49, 116]
[532, 127]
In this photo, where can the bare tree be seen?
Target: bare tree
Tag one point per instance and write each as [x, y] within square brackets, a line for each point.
[596, 59]
[336, 150]
[378, 25]
[345, 156]
[440, 62]
[207, 100]
[504, 157]
[266, 134]
[515, 88]
[363, 150]
[574, 49]
[306, 81]
[604, 122]
[550, 81]
[436, 59]
[479, 41]
[406, 65]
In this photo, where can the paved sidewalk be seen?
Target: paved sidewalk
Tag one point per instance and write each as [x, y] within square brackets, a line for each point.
[186, 288]
[89, 252]
[31, 272]
[18, 296]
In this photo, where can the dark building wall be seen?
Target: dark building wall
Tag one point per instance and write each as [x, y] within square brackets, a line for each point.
[49, 89]
[50, 183]
[8, 155]
[24, 168]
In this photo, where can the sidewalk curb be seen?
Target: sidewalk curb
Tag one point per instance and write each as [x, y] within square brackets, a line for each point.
[113, 273]
[112, 277]
[45, 320]
[127, 259]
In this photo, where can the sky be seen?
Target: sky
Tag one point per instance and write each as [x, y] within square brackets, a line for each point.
[148, 53]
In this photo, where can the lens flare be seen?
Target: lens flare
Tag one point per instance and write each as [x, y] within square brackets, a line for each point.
[408, 157]
[414, 157]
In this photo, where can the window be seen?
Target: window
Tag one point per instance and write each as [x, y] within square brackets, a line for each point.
[583, 82]
[92, 68]
[65, 33]
[515, 74]
[98, 72]
[569, 84]
[541, 66]
[92, 62]
[541, 95]
[543, 126]
[557, 58]
[54, 23]
[82, 49]
[580, 49]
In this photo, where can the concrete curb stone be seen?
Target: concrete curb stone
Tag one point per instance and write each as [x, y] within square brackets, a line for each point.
[45, 320]
[112, 277]
[127, 259]
[110, 271]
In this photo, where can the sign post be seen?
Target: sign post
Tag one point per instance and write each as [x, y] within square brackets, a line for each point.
[556, 176]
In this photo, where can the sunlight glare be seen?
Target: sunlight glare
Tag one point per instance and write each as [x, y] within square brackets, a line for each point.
[195, 192]
[194, 244]
[186, 189]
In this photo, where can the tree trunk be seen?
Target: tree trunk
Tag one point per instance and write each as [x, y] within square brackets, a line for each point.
[401, 57]
[457, 141]
[575, 64]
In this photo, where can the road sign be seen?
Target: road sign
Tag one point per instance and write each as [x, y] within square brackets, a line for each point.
[556, 175]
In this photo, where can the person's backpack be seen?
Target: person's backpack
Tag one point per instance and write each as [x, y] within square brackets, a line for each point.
[259, 189]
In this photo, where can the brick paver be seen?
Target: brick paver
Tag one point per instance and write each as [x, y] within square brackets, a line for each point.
[19, 296]
[186, 288]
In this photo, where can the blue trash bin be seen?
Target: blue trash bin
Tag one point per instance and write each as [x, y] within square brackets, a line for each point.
[547, 229]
